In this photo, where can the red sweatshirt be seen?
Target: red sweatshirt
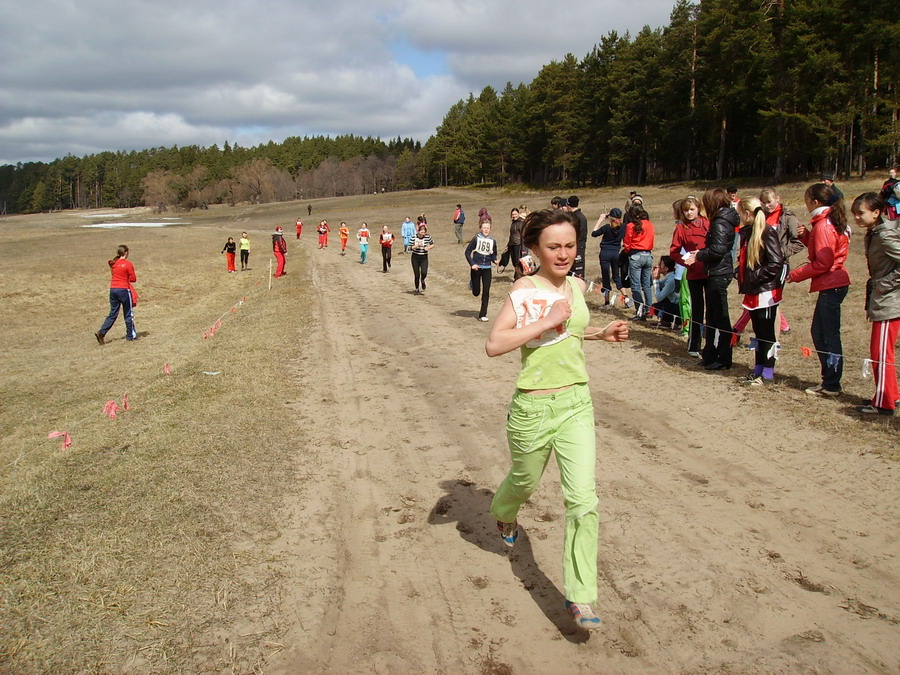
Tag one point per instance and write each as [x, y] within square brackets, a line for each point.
[122, 273]
[690, 237]
[638, 241]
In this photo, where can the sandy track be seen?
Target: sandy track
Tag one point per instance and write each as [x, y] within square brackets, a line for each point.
[726, 544]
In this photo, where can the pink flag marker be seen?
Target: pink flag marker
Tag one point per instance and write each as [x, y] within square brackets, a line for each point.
[67, 440]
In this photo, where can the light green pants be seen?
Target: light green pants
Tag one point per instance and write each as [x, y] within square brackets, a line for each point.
[563, 423]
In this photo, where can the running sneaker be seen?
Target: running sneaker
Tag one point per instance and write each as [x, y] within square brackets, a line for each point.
[483, 318]
[696, 355]
[584, 615]
[754, 381]
[509, 532]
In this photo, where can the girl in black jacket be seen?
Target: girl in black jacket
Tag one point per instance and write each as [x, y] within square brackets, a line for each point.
[761, 273]
[716, 257]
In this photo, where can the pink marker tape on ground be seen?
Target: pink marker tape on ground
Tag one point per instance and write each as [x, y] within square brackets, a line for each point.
[110, 409]
[67, 440]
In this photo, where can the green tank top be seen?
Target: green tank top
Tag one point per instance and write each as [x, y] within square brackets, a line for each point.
[562, 363]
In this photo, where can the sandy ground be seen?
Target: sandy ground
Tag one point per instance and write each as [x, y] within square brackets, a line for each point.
[735, 536]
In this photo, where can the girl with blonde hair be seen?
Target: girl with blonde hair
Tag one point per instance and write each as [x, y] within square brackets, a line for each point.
[761, 273]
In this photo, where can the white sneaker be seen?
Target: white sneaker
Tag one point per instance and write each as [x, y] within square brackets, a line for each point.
[696, 355]
[821, 390]
[483, 318]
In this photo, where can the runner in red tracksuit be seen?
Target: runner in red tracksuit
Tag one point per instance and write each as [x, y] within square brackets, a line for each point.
[299, 225]
[323, 231]
[279, 248]
[121, 295]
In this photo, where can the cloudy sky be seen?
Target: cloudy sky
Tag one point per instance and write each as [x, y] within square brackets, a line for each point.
[83, 76]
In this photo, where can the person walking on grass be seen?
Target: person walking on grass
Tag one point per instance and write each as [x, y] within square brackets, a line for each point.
[245, 251]
[122, 296]
[299, 226]
[386, 238]
[761, 273]
[459, 219]
[344, 234]
[545, 317]
[362, 236]
[279, 248]
[882, 246]
[422, 243]
[513, 252]
[481, 254]
[407, 230]
[827, 243]
[230, 250]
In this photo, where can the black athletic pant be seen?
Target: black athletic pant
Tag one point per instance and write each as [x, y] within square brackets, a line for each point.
[481, 283]
[420, 268]
[245, 258]
[385, 258]
[763, 321]
[717, 348]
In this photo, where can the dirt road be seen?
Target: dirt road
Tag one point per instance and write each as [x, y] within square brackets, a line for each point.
[735, 535]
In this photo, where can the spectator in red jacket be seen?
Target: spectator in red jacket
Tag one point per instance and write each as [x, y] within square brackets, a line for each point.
[121, 295]
[638, 246]
[827, 241]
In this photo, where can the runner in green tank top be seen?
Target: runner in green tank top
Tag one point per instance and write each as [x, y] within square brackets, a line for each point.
[545, 316]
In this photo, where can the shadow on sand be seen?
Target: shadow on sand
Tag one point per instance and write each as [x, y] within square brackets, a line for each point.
[469, 507]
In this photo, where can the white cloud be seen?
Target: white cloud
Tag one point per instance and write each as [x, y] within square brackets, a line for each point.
[107, 75]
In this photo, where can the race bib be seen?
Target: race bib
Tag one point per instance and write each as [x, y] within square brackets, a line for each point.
[532, 304]
[484, 246]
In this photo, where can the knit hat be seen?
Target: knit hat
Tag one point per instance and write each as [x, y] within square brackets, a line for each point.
[278, 230]
[615, 213]
[828, 176]
[637, 198]
[573, 202]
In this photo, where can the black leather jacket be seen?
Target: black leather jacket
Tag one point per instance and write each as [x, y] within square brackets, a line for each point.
[771, 270]
[716, 256]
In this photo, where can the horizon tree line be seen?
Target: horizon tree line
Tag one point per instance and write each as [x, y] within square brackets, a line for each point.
[765, 88]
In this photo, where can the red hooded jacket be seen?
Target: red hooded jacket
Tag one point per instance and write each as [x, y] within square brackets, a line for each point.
[827, 254]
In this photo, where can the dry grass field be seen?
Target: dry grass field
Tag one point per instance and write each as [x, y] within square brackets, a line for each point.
[275, 503]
